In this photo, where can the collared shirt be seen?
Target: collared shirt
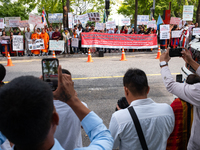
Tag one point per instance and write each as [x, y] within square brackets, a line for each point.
[99, 135]
[68, 132]
[50, 34]
[190, 94]
[2, 138]
[157, 123]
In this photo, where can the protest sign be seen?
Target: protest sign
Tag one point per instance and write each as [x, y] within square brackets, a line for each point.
[18, 44]
[70, 20]
[13, 23]
[75, 42]
[152, 24]
[188, 12]
[55, 18]
[164, 35]
[100, 26]
[196, 31]
[110, 25]
[106, 40]
[176, 34]
[34, 19]
[10, 18]
[94, 17]
[164, 28]
[175, 20]
[181, 23]
[83, 18]
[4, 39]
[36, 44]
[125, 21]
[1, 23]
[55, 45]
[23, 24]
[142, 19]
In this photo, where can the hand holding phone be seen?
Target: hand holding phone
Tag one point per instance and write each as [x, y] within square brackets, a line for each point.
[175, 52]
[50, 72]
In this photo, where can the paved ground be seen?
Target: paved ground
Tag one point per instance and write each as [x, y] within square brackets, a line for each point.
[99, 84]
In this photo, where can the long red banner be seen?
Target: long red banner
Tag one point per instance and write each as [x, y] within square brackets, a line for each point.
[129, 41]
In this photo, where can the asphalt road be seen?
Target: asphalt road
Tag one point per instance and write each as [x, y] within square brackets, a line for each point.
[99, 84]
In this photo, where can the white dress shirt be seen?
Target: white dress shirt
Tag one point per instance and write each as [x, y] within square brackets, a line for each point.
[190, 94]
[157, 122]
[68, 132]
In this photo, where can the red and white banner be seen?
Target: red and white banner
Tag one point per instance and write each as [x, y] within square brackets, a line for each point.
[105, 40]
[175, 20]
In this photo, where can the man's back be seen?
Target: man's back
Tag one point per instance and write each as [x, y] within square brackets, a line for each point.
[157, 122]
[68, 132]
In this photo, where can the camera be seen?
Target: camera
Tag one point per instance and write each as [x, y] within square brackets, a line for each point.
[122, 103]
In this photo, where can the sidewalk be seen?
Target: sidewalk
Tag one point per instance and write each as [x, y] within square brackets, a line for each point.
[75, 55]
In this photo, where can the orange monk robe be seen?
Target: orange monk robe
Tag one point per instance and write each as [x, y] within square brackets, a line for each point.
[45, 37]
[35, 36]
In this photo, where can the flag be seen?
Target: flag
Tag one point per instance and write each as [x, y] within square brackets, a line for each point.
[104, 17]
[160, 21]
[44, 17]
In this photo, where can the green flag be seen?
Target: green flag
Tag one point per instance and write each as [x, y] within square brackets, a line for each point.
[104, 17]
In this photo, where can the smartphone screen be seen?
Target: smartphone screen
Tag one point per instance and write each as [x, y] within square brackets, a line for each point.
[50, 72]
[175, 52]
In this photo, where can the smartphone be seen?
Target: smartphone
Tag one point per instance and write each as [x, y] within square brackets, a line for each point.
[175, 52]
[50, 72]
[179, 78]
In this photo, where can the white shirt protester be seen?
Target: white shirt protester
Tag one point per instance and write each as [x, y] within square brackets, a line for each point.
[157, 122]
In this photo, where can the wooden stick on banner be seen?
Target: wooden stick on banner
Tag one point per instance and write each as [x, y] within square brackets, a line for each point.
[166, 44]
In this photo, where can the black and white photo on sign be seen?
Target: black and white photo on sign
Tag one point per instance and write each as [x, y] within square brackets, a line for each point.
[36, 44]
[75, 42]
[18, 44]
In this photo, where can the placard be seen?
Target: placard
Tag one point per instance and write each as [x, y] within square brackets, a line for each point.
[100, 26]
[164, 35]
[152, 24]
[55, 45]
[175, 20]
[75, 42]
[181, 23]
[125, 21]
[176, 34]
[142, 19]
[70, 20]
[188, 12]
[13, 23]
[196, 31]
[94, 17]
[83, 18]
[35, 19]
[164, 28]
[55, 18]
[23, 24]
[1, 23]
[10, 18]
[36, 44]
[18, 44]
[129, 41]
[4, 39]
[110, 25]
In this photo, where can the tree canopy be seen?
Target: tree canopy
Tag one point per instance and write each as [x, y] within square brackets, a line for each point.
[128, 7]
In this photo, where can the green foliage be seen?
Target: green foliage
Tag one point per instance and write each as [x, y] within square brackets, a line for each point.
[128, 7]
[15, 9]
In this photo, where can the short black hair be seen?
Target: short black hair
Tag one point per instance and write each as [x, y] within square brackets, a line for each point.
[193, 79]
[75, 26]
[136, 81]
[65, 71]
[26, 107]
[2, 72]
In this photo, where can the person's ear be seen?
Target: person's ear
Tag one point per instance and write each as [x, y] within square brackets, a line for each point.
[126, 91]
[148, 90]
[55, 118]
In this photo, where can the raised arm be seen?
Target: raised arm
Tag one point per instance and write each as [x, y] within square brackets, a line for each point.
[99, 135]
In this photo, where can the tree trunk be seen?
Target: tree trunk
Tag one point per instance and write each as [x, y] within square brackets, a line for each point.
[66, 9]
[198, 14]
[136, 12]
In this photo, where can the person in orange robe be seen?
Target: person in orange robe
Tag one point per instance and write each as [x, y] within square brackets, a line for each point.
[45, 37]
[35, 36]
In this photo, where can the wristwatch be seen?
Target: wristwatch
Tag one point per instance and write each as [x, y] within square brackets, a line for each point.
[163, 63]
